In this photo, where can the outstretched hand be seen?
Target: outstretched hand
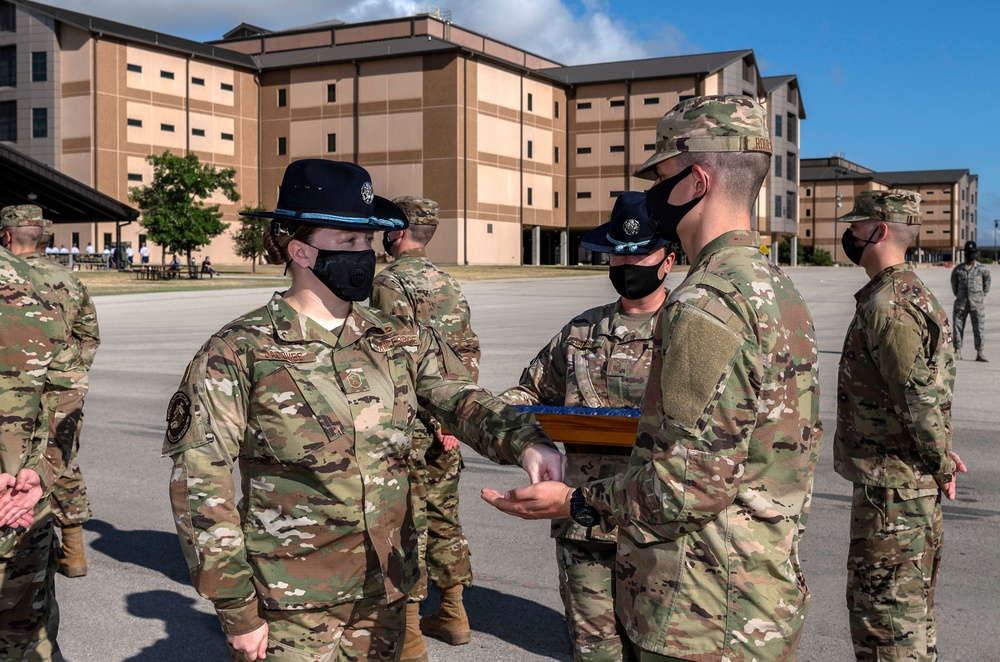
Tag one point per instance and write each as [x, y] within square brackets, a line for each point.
[450, 442]
[18, 497]
[543, 463]
[547, 499]
[950, 490]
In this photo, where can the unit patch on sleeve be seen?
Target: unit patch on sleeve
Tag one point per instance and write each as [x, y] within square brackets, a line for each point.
[178, 417]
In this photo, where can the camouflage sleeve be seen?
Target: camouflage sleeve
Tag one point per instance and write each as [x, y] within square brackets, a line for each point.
[954, 280]
[206, 422]
[59, 379]
[85, 329]
[917, 389]
[987, 279]
[698, 416]
[494, 429]
[543, 382]
[389, 296]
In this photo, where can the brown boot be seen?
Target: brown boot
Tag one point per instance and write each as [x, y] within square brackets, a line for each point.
[451, 624]
[72, 561]
[413, 647]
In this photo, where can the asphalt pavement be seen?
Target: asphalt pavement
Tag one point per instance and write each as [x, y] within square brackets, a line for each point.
[137, 604]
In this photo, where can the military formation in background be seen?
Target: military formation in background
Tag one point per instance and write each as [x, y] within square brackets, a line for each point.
[970, 283]
[340, 415]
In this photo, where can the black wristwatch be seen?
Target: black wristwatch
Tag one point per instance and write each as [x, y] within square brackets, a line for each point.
[582, 512]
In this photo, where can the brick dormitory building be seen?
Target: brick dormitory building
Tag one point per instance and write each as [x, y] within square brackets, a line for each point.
[524, 154]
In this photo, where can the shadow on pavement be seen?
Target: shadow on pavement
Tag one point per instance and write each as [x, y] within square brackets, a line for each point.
[155, 550]
[191, 634]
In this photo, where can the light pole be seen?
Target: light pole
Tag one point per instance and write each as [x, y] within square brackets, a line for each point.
[996, 224]
[837, 172]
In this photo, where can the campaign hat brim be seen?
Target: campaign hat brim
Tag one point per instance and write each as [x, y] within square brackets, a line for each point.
[386, 216]
[597, 240]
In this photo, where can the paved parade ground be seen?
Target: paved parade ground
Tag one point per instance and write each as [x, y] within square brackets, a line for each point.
[136, 602]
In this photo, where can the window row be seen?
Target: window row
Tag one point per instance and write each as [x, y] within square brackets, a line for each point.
[8, 66]
[331, 95]
[169, 75]
[331, 144]
[790, 128]
[8, 122]
[170, 128]
[620, 103]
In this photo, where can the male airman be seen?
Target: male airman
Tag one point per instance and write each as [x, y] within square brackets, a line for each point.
[970, 283]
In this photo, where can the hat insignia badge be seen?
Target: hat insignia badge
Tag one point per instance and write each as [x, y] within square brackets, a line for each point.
[367, 193]
[631, 227]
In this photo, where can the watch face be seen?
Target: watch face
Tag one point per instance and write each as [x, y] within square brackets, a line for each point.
[581, 512]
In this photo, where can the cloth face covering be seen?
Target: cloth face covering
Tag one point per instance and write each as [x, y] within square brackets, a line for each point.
[663, 216]
[850, 245]
[348, 274]
[634, 281]
[387, 243]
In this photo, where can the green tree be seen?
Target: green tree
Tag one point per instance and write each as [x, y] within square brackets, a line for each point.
[249, 237]
[173, 209]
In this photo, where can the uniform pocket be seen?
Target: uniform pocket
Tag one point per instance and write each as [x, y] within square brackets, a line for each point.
[885, 573]
[288, 428]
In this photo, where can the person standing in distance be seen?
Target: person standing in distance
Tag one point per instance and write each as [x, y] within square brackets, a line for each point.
[716, 497]
[970, 283]
[894, 434]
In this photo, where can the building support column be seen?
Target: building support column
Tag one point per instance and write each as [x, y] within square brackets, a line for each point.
[536, 245]
[794, 255]
[563, 247]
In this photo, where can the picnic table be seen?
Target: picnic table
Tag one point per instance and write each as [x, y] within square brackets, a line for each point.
[155, 272]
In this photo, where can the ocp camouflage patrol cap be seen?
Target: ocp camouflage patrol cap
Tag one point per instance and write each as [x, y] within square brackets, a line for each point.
[894, 206]
[419, 211]
[47, 226]
[722, 123]
[17, 216]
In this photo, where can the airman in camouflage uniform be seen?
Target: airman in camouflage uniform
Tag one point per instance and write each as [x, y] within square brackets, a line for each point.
[58, 286]
[970, 283]
[600, 358]
[894, 434]
[415, 289]
[715, 499]
[31, 339]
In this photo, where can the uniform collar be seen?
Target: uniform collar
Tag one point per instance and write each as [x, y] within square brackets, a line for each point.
[880, 278]
[291, 326]
[412, 252]
[734, 238]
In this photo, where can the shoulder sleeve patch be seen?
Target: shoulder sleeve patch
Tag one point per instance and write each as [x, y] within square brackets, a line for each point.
[178, 417]
[899, 348]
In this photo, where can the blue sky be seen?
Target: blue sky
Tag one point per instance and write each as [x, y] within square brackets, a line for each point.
[891, 85]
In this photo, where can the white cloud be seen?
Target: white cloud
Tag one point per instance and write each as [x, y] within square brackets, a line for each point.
[546, 27]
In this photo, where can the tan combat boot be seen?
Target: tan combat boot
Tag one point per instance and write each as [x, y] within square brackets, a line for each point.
[72, 561]
[413, 647]
[451, 624]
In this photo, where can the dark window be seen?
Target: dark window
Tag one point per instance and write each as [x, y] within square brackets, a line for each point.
[685, 97]
[777, 206]
[169, 128]
[39, 66]
[282, 98]
[650, 101]
[649, 147]
[8, 66]
[556, 110]
[777, 126]
[198, 132]
[134, 68]
[8, 20]
[39, 122]
[809, 192]
[583, 105]
[529, 101]
[489, 228]
[556, 154]
[615, 149]
[793, 127]
[790, 166]
[169, 75]
[582, 194]
[135, 123]
[790, 205]
[142, 240]
[615, 194]
[226, 87]
[779, 169]
[531, 150]
[583, 150]
[331, 93]
[134, 177]
[8, 121]
[530, 197]
[808, 214]
[198, 81]
[282, 146]
[808, 233]
[227, 136]
[617, 103]
[331, 142]
[555, 199]
[107, 240]
[75, 241]
[748, 71]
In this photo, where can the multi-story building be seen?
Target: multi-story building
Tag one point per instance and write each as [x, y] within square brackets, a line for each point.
[525, 155]
[777, 207]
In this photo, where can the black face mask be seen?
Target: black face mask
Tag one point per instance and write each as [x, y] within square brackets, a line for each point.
[663, 216]
[634, 281]
[387, 243]
[970, 256]
[348, 274]
[850, 244]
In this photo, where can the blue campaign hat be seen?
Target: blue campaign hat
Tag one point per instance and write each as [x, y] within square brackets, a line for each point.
[332, 194]
[628, 231]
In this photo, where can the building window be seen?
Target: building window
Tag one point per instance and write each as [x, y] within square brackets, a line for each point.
[777, 206]
[198, 81]
[134, 68]
[169, 75]
[39, 122]
[963, 194]
[808, 233]
[790, 205]
[555, 154]
[618, 103]
[651, 101]
[793, 128]
[282, 97]
[748, 71]
[555, 199]
[615, 194]
[581, 195]
[134, 177]
[226, 87]
[169, 128]
[583, 105]
[530, 104]
[583, 150]
[331, 93]
[8, 66]
[8, 121]
[331, 142]
[107, 240]
[531, 150]
[778, 167]
[198, 132]
[617, 149]
[808, 214]
[530, 196]
[135, 123]
[39, 66]
[685, 97]
[8, 17]
[809, 192]
[556, 110]
[777, 126]
[649, 147]
[282, 146]
[227, 136]
[790, 166]
[489, 228]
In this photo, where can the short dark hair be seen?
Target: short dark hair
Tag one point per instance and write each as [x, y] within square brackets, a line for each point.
[739, 175]
[422, 234]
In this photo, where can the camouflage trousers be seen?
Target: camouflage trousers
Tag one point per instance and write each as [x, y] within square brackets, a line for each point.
[68, 500]
[29, 615]
[965, 308]
[443, 550]
[635, 654]
[892, 569]
[587, 587]
[351, 632]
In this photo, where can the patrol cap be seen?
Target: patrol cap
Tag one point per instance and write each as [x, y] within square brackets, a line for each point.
[47, 227]
[628, 231]
[17, 216]
[894, 206]
[720, 123]
[331, 194]
[419, 211]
